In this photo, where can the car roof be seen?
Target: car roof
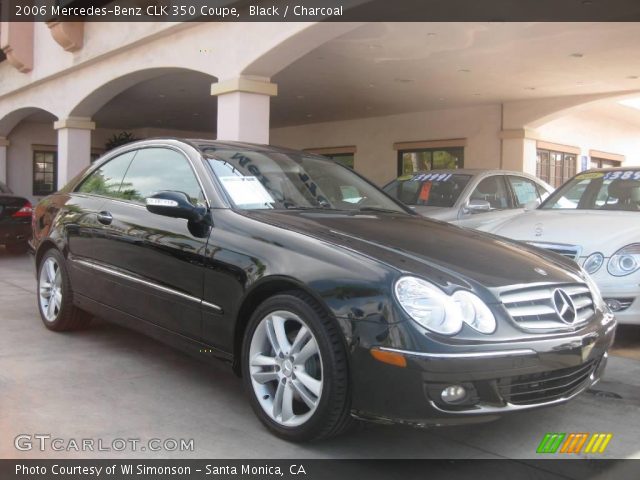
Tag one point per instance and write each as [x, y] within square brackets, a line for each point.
[611, 169]
[470, 171]
[204, 144]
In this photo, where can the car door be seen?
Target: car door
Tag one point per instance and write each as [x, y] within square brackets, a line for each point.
[154, 264]
[85, 235]
[492, 189]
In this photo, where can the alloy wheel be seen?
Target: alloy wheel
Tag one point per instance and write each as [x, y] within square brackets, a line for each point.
[285, 366]
[50, 289]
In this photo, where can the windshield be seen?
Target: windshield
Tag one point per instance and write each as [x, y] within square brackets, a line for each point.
[616, 190]
[276, 180]
[429, 189]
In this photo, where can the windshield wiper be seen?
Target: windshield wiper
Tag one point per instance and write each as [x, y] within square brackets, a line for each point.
[377, 209]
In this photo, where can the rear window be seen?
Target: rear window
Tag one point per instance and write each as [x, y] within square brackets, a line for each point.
[429, 189]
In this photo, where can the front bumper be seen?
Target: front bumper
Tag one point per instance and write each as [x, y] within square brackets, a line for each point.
[499, 379]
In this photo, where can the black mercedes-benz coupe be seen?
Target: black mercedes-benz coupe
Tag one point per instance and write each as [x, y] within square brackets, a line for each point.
[15, 220]
[331, 300]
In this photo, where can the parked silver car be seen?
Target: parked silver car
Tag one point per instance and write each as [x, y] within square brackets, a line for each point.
[469, 197]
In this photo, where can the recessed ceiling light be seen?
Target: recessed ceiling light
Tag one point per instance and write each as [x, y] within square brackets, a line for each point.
[431, 34]
[633, 77]
[577, 55]
[477, 94]
[529, 88]
[375, 47]
[441, 99]
[299, 97]
[319, 58]
[158, 121]
[309, 115]
[631, 102]
[580, 84]
[196, 114]
[403, 80]
[587, 2]
[161, 95]
[369, 107]
[464, 70]
[371, 85]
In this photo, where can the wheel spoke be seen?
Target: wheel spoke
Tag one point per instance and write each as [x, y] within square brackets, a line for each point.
[287, 402]
[304, 394]
[301, 337]
[58, 280]
[310, 349]
[51, 308]
[51, 270]
[45, 289]
[264, 377]
[277, 400]
[281, 335]
[313, 385]
[261, 360]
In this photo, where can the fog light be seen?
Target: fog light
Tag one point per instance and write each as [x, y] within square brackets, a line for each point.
[613, 304]
[453, 394]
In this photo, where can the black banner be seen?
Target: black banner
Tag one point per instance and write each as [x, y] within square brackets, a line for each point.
[316, 469]
[320, 10]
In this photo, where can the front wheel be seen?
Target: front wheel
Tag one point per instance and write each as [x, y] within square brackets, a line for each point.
[55, 295]
[295, 370]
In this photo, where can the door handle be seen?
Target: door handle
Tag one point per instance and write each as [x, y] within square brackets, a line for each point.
[105, 218]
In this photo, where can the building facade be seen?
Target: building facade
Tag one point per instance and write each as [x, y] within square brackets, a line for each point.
[383, 98]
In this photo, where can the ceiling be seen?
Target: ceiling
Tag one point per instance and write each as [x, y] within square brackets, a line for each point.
[387, 68]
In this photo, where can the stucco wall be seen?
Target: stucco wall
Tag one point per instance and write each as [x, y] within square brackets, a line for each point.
[374, 137]
[592, 130]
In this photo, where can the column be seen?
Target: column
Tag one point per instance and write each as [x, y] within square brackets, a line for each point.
[519, 150]
[243, 109]
[74, 146]
[4, 143]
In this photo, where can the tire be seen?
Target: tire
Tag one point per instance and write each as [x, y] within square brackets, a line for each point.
[17, 248]
[299, 395]
[53, 283]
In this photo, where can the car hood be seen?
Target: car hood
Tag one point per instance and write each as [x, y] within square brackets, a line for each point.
[443, 253]
[602, 231]
[439, 213]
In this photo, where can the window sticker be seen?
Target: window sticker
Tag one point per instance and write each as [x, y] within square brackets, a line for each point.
[434, 177]
[623, 175]
[247, 191]
[589, 175]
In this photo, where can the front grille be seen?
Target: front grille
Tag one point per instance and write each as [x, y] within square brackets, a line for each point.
[570, 251]
[535, 307]
[545, 386]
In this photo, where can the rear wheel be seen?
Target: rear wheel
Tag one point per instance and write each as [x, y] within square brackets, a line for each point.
[295, 369]
[55, 295]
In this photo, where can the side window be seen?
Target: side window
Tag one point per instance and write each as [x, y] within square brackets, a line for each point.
[157, 169]
[106, 180]
[494, 190]
[524, 189]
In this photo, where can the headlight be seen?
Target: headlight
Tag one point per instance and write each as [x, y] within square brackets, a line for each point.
[475, 312]
[625, 261]
[593, 263]
[436, 311]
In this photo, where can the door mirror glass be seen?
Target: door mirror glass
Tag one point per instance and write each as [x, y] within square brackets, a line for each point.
[478, 206]
[176, 205]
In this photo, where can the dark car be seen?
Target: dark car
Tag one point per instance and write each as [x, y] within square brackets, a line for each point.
[309, 280]
[15, 220]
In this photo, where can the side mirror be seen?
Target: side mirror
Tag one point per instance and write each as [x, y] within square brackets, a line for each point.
[175, 205]
[532, 205]
[478, 206]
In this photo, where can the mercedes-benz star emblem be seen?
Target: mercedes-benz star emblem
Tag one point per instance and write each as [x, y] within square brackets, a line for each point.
[564, 306]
